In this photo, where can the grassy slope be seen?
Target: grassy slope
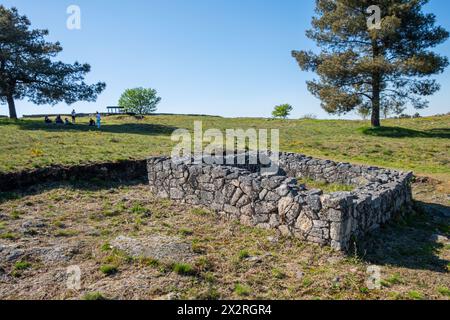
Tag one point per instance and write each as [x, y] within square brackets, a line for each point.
[413, 265]
[421, 145]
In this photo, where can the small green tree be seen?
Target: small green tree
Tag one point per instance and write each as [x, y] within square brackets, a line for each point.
[28, 69]
[282, 111]
[140, 101]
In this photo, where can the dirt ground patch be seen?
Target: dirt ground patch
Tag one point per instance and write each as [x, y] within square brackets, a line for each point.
[130, 245]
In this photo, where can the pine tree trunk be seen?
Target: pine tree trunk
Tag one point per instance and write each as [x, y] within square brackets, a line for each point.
[376, 104]
[376, 89]
[12, 107]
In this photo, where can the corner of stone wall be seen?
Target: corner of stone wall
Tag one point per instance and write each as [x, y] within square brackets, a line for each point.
[337, 210]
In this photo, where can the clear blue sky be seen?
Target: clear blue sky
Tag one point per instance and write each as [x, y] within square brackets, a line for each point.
[223, 57]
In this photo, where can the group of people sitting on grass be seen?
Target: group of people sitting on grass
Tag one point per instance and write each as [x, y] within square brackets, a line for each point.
[60, 121]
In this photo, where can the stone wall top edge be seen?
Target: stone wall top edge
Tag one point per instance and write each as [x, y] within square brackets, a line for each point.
[306, 159]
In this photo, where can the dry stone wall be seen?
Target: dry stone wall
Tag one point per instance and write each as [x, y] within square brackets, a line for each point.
[277, 201]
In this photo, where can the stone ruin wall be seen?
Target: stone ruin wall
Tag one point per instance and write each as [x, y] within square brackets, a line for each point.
[279, 202]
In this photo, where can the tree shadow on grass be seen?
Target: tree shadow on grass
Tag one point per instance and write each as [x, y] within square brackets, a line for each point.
[129, 128]
[411, 242]
[398, 132]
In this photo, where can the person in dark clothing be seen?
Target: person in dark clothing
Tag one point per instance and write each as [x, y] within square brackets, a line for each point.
[58, 120]
[74, 116]
[47, 120]
[91, 123]
[67, 122]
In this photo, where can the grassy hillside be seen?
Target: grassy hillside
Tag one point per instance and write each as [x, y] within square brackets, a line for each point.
[54, 225]
[421, 145]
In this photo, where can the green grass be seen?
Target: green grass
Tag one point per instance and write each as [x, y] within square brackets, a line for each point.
[200, 212]
[9, 236]
[364, 290]
[242, 290]
[392, 280]
[92, 296]
[325, 187]
[183, 269]
[19, 267]
[151, 262]
[15, 214]
[278, 274]
[415, 295]
[243, 254]
[108, 269]
[111, 213]
[444, 291]
[106, 247]
[66, 233]
[139, 209]
[421, 145]
[22, 265]
[186, 232]
[307, 282]
[59, 224]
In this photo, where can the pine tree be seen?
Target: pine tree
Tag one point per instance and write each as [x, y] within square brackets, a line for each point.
[384, 66]
[27, 68]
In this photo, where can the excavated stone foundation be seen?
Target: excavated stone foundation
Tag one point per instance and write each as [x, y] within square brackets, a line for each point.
[278, 201]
